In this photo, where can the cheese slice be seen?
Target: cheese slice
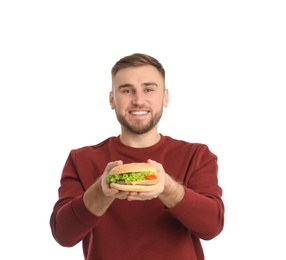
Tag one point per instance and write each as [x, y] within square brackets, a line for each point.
[135, 182]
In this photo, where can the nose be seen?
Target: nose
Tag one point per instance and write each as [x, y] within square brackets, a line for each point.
[138, 99]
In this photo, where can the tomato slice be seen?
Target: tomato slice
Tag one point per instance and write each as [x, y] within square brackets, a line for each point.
[151, 177]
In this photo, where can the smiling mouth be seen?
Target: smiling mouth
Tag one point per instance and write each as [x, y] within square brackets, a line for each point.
[139, 112]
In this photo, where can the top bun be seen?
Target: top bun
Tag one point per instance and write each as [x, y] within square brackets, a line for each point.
[133, 167]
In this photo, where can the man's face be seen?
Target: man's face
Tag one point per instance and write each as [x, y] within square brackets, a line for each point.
[138, 97]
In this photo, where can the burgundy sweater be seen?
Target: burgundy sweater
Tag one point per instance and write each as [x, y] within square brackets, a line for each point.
[141, 229]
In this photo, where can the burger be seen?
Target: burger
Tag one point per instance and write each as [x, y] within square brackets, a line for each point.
[134, 177]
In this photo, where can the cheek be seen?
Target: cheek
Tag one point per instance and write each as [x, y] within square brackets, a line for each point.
[117, 105]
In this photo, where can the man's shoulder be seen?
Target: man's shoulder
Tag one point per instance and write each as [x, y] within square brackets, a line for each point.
[182, 142]
[95, 147]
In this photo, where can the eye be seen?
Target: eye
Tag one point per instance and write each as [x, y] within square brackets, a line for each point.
[149, 89]
[126, 90]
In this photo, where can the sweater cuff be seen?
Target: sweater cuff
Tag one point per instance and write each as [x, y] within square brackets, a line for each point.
[185, 205]
[82, 213]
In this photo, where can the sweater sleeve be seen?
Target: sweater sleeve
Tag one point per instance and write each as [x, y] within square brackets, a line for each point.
[202, 209]
[70, 220]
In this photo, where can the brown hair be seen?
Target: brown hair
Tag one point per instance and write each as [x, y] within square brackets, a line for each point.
[137, 59]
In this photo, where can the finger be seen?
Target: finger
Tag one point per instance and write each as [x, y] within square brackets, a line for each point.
[138, 198]
[122, 195]
[111, 165]
[158, 166]
[154, 163]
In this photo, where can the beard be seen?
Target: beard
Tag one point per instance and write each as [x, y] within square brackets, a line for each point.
[139, 127]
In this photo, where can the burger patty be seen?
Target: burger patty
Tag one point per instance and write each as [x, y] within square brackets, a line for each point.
[145, 183]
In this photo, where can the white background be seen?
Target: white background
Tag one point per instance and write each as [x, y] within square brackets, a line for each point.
[226, 66]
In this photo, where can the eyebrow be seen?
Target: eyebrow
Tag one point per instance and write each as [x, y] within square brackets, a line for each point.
[146, 84]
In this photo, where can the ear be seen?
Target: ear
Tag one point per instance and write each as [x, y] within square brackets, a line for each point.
[111, 100]
[166, 98]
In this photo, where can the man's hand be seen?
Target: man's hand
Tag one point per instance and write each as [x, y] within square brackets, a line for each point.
[150, 194]
[109, 192]
[99, 196]
[170, 192]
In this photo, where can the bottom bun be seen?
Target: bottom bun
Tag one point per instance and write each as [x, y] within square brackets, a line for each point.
[140, 188]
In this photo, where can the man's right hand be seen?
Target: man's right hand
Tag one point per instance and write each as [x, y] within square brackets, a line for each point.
[109, 192]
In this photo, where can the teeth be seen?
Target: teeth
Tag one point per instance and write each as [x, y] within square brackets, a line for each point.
[139, 112]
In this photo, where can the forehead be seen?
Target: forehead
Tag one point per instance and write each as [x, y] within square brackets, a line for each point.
[137, 75]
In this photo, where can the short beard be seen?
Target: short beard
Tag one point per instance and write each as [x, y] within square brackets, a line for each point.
[140, 129]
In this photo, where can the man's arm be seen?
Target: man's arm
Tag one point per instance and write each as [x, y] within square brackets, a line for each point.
[99, 196]
[169, 192]
[173, 192]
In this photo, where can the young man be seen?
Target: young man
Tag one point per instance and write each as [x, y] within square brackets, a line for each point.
[166, 223]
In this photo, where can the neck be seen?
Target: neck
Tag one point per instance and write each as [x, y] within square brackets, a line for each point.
[140, 141]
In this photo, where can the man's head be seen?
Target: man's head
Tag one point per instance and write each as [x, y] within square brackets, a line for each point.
[138, 92]
[135, 60]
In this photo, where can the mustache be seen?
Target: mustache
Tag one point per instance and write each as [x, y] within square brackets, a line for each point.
[138, 107]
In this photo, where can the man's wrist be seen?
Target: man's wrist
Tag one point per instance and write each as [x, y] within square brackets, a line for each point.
[95, 200]
[173, 192]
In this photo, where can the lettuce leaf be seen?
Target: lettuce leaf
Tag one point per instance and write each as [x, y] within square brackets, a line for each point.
[131, 176]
